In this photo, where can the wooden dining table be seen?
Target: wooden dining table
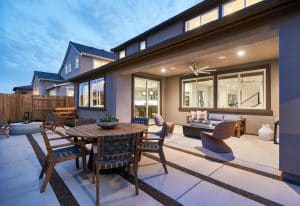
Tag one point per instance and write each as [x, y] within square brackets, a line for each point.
[96, 133]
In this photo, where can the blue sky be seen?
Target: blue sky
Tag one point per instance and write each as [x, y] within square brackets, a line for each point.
[35, 34]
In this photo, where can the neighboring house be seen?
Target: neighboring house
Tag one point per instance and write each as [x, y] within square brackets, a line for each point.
[78, 60]
[23, 89]
[251, 48]
[43, 80]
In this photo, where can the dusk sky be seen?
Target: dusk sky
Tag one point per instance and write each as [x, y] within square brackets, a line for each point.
[35, 34]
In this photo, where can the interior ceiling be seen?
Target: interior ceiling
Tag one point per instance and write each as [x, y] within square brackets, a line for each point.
[254, 52]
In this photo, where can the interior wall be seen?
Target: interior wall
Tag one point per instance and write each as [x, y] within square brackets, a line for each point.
[253, 122]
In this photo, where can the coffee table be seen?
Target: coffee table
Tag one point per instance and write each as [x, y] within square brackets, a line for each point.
[194, 130]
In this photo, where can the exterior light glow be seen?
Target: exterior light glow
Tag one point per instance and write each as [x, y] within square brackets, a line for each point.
[163, 70]
[221, 57]
[241, 53]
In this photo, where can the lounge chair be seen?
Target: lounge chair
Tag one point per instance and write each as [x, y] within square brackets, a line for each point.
[3, 126]
[214, 141]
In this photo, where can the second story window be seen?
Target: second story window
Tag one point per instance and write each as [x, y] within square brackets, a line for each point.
[77, 63]
[122, 54]
[192, 23]
[142, 45]
[68, 68]
[236, 5]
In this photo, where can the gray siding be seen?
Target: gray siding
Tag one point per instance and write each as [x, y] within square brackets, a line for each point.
[133, 48]
[164, 34]
[71, 58]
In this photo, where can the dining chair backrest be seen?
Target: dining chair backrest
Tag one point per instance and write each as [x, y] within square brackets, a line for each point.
[46, 141]
[51, 118]
[164, 132]
[117, 147]
[140, 120]
[3, 122]
[224, 130]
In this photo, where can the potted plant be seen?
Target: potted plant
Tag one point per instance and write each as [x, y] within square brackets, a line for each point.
[107, 122]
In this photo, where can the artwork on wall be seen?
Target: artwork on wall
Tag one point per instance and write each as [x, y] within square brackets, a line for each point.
[232, 100]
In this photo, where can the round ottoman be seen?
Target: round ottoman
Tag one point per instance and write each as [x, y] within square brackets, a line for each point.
[22, 129]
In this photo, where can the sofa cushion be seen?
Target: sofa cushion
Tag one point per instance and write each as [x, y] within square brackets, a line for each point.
[158, 119]
[215, 122]
[232, 117]
[214, 116]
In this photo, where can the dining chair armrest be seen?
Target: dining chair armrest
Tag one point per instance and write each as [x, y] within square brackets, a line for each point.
[63, 145]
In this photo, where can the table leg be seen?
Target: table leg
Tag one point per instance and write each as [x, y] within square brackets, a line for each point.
[97, 173]
[91, 160]
[77, 159]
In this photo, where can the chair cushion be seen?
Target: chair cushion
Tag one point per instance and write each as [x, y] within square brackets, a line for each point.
[149, 145]
[116, 163]
[215, 122]
[214, 116]
[68, 151]
[232, 117]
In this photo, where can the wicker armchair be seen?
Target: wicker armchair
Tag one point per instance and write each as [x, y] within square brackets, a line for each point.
[214, 141]
[60, 153]
[155, 145]
[3, 126]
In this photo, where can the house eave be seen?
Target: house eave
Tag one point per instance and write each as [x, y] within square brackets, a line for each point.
[237, 19]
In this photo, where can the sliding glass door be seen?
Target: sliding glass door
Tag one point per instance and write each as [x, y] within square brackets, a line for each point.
[146, 97]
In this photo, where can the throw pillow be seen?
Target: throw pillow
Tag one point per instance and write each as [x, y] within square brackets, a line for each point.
[193, 115]
[201, 115]
[159, 120]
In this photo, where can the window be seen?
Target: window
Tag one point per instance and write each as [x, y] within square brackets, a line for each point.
[251, 2]
[198, 92]
[70, 91]
[122, 54]
[209, 16]
[142, 45]
[192, 23]
[242, 90]
[52, 92]
[84, 94]
[77, 63]
[233, 6]
[236, 5]
[97, 93]
[99, 62]
[68, 68]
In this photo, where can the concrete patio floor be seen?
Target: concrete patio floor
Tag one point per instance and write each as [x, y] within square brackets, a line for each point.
[191, 180]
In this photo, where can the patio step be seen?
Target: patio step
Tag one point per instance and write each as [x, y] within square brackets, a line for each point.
[257, 187]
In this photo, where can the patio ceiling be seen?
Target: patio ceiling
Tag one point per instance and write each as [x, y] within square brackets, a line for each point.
[259, 45]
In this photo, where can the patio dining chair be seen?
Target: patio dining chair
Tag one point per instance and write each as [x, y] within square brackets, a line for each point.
[50, 122]
[155, 144]
[59, 153]
[3, 126]
[118, 151]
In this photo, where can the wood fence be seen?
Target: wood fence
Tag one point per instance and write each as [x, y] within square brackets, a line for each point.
[13, 106]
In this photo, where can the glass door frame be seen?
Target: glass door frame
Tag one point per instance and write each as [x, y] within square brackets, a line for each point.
[159, 109]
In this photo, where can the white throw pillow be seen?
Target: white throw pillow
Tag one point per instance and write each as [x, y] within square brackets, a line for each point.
[201, 115]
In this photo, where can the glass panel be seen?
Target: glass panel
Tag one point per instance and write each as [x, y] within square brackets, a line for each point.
[122, 54]
[192, 23]
[84, 94]
[198, 93]
[251, 2]
[209, 16]
[70, 91]
[228, 91]
[97, 93]
[52, 92]
[140, 97]
[146, 97]
[252, 91]
[153, 97]
[233, 6]
[142, 45]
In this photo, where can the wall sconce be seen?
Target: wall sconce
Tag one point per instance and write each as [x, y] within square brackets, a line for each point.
[151, 93]
[144, 93]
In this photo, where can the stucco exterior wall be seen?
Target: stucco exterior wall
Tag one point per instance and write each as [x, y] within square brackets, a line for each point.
[254, 122]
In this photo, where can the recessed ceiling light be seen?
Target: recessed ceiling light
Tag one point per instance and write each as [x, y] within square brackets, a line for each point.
[221, 57]
[172, 68]
[241, 53]
[163, 70]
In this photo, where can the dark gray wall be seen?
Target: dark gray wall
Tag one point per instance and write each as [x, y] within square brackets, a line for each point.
[133, 48]
[289, 78]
